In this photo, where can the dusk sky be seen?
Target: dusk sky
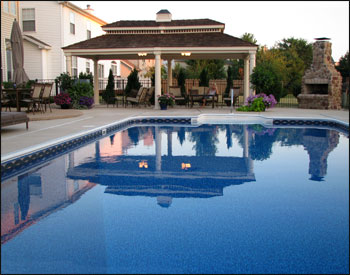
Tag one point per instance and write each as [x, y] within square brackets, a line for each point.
[268, 21]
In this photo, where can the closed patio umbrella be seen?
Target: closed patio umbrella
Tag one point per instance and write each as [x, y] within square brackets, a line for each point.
[19, 75]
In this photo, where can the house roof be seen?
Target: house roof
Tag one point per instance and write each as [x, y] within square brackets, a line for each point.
[183, 40]
[152, 23]
[36, 41]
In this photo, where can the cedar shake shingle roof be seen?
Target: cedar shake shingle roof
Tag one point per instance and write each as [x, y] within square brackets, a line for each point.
[109, 41]
[173, 23]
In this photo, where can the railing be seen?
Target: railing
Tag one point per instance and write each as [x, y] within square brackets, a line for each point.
[289, 101]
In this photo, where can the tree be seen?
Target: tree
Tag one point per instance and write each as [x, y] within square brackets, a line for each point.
[344, 66]
[229, 84]
[249, 37]
[181, 81]
[215, 68]
[133, 82]
[269, 74]
[108, 94]
[204, 78]
[152, 75]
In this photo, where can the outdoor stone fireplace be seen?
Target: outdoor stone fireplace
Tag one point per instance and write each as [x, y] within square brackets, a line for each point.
[321, 83]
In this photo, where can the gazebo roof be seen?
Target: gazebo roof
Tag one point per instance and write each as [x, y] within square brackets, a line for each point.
[142, 39]
[173, 23]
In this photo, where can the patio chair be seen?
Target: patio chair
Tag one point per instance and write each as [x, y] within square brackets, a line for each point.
[176, 92]
[34, 100]
[6, 101]
[149, 96]
[138, 98]
[46, 95]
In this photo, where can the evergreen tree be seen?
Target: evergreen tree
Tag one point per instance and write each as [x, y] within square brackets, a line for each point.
[133, 82]
[229, 85]
[344, 66]
[108, 95]
[181, 81]
[204, 78]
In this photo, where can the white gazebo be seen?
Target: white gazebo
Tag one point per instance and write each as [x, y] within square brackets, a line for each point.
[165, 39]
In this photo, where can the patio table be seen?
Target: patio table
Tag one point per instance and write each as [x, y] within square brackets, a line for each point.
[16, 95]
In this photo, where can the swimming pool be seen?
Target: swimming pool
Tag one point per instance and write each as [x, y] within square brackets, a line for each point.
[183, 198]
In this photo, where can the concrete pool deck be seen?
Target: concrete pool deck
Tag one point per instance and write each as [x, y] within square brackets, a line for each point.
[60, 123]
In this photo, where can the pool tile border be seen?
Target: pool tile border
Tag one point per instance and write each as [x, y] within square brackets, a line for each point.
[26, 159]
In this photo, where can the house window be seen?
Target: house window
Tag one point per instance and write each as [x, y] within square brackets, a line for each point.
[6, 6]
[8, 59]
[28, 19]
[13, 7]
[72, 23]
[88, 69]
[74, 66]
[88, 29]
[114, 67]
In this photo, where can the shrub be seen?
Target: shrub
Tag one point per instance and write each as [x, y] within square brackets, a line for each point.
[79, 90]
[181, 81]
[108, 94]
[133, 82]
[65, 81]
[204, 78]
[166, 99]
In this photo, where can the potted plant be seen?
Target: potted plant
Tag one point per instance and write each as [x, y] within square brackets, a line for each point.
[165, 100]
[63, 99]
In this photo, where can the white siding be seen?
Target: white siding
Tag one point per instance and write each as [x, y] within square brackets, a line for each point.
[6, 27]
[33, 60]
[48, 30]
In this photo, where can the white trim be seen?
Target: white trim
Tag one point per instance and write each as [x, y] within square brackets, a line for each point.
[174, 50]
[221, 26]
[35, 42]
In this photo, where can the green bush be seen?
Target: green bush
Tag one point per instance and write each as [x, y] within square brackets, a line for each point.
[204, 78]
[256, 106]
[108, 95]
[65, 81]
[229, 84]
[133, 82]
[79, 90]
[181, 81]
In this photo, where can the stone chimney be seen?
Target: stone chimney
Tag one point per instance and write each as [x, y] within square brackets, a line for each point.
[89, 9]
[163, 16]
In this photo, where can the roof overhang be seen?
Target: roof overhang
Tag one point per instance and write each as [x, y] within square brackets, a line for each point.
[166, 53]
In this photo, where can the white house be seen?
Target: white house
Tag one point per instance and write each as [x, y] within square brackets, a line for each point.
[48, 26]
[9, 12]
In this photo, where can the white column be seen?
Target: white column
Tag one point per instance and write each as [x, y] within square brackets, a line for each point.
[69, 64]
[158, 81]
[246, 78]
[96, 90]
[251, 67]
[170, 75]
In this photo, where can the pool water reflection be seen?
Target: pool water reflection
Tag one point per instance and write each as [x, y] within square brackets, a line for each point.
[208, 199]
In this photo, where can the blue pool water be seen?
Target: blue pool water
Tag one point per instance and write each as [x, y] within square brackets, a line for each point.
[161, 199]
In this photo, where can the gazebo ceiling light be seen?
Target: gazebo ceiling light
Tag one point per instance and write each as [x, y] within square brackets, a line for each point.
[186, 54]
[142, 54]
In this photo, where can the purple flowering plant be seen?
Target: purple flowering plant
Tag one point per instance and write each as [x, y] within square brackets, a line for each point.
[62, 98]
[268, 100]
[86, 101]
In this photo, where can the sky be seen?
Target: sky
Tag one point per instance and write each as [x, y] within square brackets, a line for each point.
[269, 21]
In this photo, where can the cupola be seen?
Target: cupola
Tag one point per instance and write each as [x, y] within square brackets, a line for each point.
[163, 16]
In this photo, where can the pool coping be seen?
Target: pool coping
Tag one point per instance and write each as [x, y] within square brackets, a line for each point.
[54, 148]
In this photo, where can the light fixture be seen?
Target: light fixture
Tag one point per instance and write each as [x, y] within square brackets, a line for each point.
[143, 164]
[186, 54]
[185, 166]
[142, 54]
